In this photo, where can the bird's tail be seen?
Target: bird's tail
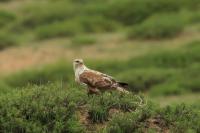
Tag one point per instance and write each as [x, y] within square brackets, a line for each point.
[122, 87]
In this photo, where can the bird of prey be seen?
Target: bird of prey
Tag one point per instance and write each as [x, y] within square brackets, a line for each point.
[95, 81]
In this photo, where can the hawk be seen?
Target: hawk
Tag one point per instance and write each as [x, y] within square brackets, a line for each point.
[95, 81]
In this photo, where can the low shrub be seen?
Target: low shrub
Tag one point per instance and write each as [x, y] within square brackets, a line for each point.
[75, 26]
[99, 106]
[51, 73]
[181, 58]
[6, 17]
[57, 108]
[98, 114]
[39, 109]
[7, 40]
[131, 12]
[58, 29]
[180, 118]
[83, 40]
[157, 27]
[168, 88]
[144, 79]
[190, 17]
[47, 12]
[123, 124]
[128, 12]
[5, 0]
[94, 23]
[131, 122]
[189, 78]
[4, 88]
[171, 118]
[195, 18]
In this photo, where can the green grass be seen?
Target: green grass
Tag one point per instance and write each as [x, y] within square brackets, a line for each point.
[83, 40]
[171, 72]
[42, 111]
[7, 40]
[45, 13]
[158, 26]
[58, 29]
[54, 108]
[50, 73]
[44, 20]
[6, 18]
[45, 99]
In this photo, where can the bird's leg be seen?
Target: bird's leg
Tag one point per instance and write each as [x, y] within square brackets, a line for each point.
[101, 99]
[92, 90]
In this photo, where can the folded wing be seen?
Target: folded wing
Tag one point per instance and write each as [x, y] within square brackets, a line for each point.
[96, 79]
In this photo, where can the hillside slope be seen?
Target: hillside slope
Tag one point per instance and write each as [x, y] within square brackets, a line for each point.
[58, 108]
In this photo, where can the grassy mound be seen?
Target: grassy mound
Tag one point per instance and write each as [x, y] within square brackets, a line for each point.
[57, 108]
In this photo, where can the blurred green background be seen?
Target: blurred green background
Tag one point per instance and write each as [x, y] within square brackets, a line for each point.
[154, 45]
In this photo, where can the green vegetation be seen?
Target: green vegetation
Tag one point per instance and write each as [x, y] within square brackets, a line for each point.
[7, 40]
[163, 63]
[50, 73]
[83, 40]
[57, 108]
[36, 109]
[146, 19]
[158, 26]
[6, 17]
[57, 29]
[162, 73]
[173, 119]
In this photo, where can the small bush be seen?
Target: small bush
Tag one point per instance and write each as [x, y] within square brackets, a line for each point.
[83, 40]
[158, 26]
[50, 73]
[131, 122]
[39, 109]
[98, 114]
[177, 117]
[48, 12]
[7, 40]
[195, 18]
[6, 17]
[75, 26]
[144, 79]
[122, 124]
[181, 58]
[58, 29]
[5, 0]
[189, 78]
[4, 88]
[190, 17]
[131, 12]
[93, 23]
[168, 88]
[192, 85]
[128, 12]
[54, 108]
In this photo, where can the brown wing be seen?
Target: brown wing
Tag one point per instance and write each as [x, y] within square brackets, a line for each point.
[96, 79]
[104, 75]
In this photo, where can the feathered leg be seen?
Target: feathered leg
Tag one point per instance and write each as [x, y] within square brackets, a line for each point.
[92, 91]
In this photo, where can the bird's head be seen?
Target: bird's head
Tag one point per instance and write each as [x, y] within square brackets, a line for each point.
[77, 63]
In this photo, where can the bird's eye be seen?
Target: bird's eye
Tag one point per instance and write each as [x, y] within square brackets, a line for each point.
[77, 61]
